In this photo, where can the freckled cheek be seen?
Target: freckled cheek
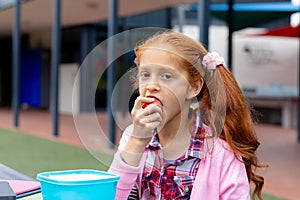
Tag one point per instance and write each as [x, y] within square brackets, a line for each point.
[171, 100]
[176, 96]
[171, 89]
[171, 108]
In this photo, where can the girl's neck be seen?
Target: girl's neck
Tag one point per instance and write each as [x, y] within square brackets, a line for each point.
[175, 136]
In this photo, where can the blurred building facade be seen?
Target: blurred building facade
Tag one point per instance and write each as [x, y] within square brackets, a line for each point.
[83, 27]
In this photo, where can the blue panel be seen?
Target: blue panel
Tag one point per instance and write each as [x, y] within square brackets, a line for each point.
[31, 78]
[259, 7]
[267, 7]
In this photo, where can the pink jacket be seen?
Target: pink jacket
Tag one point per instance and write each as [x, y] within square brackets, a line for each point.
[220, 174]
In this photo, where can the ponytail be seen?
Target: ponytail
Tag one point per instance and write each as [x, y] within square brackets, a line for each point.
[232, 122]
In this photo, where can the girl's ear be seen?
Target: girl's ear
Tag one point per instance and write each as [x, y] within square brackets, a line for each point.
[195, 89]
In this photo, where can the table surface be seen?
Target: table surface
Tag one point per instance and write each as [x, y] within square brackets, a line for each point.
[37, 196]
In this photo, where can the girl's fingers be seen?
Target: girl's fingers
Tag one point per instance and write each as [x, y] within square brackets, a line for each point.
[140, 100]
[145, 119]
[139, 113]
[154, 117]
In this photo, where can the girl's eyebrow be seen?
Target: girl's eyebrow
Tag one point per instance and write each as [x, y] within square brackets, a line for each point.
[169, 67]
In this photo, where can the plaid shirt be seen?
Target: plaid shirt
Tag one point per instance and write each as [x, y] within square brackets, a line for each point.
[171, 180]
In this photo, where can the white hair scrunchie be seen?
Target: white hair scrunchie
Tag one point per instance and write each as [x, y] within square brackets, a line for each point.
[211, 60]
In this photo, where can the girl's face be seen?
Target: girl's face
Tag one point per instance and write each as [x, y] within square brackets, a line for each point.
[160, 76]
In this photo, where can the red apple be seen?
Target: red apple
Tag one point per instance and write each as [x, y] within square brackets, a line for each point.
[156, 102]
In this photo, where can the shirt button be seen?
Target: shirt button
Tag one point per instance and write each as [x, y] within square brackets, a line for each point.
[186, 188]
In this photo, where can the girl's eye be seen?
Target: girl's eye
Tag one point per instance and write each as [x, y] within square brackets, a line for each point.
[144, 74]
[167, 76]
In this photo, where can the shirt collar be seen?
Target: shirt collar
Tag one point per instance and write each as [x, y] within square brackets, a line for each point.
[154, 143]
[196, 144]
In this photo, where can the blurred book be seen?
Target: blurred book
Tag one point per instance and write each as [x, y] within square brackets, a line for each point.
[23, 188]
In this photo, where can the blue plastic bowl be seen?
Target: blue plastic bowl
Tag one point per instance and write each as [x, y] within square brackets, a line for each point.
[83, 184]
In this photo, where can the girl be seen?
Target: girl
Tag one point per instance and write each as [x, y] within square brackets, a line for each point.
[192, 135]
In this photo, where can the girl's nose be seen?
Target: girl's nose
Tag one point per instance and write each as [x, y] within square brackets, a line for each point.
[151, 87]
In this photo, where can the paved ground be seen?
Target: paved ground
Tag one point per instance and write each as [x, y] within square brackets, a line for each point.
[279, 148]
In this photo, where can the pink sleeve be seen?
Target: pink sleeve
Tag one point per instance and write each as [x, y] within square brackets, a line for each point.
[234, 182]
[221, 176]
[128, 174]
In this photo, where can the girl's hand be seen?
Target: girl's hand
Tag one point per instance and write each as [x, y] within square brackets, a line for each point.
[145, 120]
[146, 115]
